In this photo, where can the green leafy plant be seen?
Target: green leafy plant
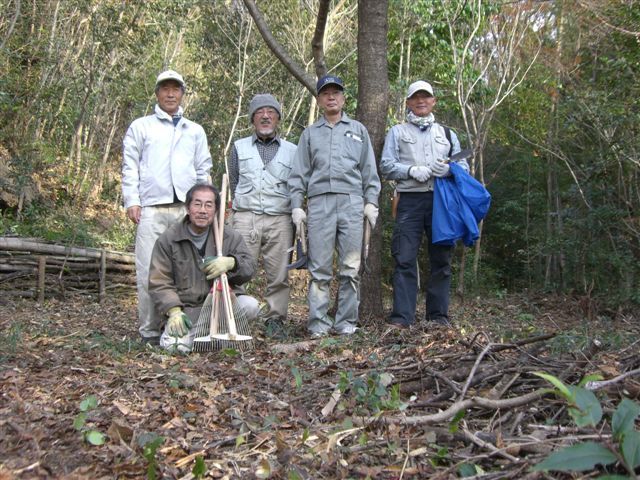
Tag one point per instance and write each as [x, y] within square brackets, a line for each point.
[371, 391]
[469, 470]
[585, 410]
[297, 377]
[94, 437]
[150, 442]
[199, 470]
[441, 456]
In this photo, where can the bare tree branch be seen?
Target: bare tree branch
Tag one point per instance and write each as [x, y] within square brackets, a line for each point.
[296, 70]
[317, 42]
[11, 26]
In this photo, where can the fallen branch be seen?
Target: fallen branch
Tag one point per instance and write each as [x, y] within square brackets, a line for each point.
[598, 384]
[450, 412]
[294, 347]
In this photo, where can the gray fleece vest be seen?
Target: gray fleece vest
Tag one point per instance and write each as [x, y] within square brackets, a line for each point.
[421, 148]
[263, 189]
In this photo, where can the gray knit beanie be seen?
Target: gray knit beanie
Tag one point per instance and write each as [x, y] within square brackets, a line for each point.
[263, 100]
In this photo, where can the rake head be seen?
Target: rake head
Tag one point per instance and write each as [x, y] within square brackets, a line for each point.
[222, 324]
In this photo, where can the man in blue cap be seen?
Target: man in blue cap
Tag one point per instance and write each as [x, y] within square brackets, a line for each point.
[335, 170]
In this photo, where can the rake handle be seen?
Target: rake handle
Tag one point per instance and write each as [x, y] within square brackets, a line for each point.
[218, 232]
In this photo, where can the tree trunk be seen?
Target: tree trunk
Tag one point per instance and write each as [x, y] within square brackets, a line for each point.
[554, 262]
[373, 99]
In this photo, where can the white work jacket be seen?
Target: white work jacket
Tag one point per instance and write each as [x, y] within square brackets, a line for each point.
[158, 158]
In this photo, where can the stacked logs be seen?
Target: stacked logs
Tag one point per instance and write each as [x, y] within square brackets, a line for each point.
[36, 269]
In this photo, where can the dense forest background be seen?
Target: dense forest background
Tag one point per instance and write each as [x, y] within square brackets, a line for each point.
[545, 92]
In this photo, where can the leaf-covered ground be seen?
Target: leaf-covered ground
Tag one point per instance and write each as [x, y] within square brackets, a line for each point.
[381, 404]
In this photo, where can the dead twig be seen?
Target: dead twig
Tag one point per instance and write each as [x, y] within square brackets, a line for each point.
[485, 350]
[487, 445]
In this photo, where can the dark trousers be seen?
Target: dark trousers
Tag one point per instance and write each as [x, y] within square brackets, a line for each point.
[413, 217]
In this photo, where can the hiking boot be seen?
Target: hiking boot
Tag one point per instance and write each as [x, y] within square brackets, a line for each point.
[275, 329]
[400, 326]
[316, 335]
[154, 341]
[440, 322]
[348, 330]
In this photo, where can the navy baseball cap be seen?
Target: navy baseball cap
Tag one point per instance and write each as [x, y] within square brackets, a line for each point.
[329, 80]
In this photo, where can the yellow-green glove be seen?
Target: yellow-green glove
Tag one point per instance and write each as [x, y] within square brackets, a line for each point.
[178, 324]
[215, 266]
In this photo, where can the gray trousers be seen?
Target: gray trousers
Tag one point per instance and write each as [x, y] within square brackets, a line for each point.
[334, 224]
[270, 236]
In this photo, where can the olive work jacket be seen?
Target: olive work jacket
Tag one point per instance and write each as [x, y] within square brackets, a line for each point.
[175, 278]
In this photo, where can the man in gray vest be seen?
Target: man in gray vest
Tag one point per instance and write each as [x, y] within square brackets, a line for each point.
[259, 168]
[414, 153]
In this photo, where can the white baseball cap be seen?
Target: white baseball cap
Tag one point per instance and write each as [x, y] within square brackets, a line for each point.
[170, 75]
[420, 85]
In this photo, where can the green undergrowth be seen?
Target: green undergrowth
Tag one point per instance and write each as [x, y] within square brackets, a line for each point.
[98, 227]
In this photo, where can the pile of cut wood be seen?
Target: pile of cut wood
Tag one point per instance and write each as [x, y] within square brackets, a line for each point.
[39, 269]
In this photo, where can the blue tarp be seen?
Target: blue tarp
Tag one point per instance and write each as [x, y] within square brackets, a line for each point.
[459, 203]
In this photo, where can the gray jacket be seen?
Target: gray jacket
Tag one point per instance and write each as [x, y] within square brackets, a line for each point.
[406, 146]
[336, 159]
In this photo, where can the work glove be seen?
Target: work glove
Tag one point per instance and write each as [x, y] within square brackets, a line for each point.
[178, 324]
[371, 212]
[298, 217]
[213, 267]
[440, 169]
[420, 172]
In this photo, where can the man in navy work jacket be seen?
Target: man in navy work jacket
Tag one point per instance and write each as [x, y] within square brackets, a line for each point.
[164, 155]
[335, 169]
[414, 153]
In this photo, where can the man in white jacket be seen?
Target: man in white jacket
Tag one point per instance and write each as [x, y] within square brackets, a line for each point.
[164, 155]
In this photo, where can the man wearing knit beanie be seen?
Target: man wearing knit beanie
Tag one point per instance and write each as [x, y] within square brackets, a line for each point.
[259, 167]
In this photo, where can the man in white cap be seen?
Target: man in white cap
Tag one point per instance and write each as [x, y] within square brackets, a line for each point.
[164, 155]
[336, 170]
[414, 153]
[259, 168]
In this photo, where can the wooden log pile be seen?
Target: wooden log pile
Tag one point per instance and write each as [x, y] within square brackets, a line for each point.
[36, 269]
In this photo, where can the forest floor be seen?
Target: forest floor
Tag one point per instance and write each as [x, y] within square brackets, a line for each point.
[384, 403]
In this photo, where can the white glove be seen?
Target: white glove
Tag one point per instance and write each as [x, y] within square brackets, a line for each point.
[178, 324]
[371, 212]
[421, 173]
[440, 169]
[298, 217]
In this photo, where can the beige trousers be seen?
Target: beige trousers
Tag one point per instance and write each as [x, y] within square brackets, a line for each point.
[270, 236]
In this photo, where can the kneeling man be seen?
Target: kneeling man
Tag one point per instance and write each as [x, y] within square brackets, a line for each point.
[179, 276]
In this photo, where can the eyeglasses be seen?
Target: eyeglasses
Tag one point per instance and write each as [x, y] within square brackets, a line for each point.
[199, 205]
